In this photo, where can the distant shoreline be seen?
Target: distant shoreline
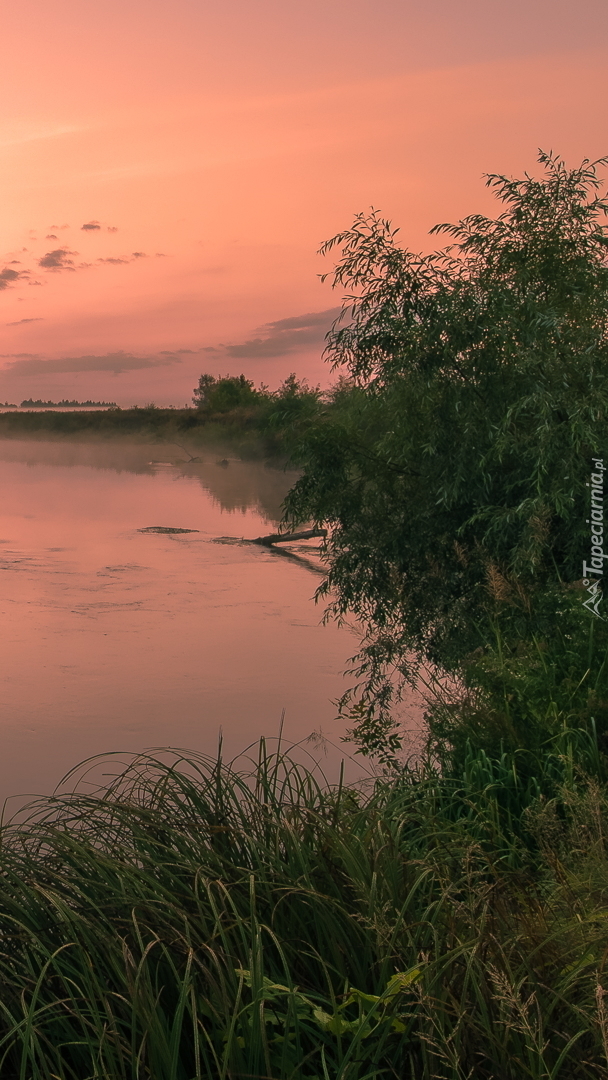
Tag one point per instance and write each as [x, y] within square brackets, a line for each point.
[187, 429]
[62, 419]
[38, 403]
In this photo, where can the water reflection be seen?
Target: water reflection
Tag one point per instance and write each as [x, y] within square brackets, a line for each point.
[233, 484]
[243, 486]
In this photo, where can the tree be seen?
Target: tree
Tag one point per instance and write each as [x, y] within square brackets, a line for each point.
[286, 408]
[452, 476]
[223, 394]
[202, 392]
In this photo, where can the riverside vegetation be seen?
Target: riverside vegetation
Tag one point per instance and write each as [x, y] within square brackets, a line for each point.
[449, 919]
[229, 411]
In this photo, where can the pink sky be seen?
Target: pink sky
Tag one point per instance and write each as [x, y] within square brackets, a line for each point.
[212, 145]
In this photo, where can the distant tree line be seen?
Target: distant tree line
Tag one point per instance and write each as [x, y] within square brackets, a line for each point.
[29, 403]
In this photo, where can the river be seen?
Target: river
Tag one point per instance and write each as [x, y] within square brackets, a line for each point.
[121, 640]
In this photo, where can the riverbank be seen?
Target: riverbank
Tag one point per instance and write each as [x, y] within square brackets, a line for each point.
[189, 427]
[196, 921]
[256, 423]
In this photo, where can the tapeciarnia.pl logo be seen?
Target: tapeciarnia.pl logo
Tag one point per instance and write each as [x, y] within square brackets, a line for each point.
[596, 521]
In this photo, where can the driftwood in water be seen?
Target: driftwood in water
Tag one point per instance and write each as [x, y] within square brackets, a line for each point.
[288, 538]
[164, 529]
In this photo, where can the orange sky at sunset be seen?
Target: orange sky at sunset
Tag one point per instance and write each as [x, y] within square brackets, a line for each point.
[210, 146]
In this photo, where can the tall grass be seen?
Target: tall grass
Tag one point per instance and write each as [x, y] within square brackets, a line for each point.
[190, 920]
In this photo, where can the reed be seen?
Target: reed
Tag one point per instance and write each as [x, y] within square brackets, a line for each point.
[191, 920]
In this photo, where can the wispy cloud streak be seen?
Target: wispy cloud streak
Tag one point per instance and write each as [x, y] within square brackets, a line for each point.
[284, 336]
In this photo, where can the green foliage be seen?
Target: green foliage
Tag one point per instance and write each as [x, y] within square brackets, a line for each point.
[294, 402]
[286, 412]
[221, 395]
[190, 921]
[530, 695]
[277, 416]
[452, 474]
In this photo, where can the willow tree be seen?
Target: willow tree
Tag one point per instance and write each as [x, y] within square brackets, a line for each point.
[452, 475]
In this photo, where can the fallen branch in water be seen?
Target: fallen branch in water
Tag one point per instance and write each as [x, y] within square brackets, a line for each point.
[164, 529]
[287, 538]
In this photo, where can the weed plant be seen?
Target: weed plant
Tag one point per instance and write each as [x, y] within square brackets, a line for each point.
[190, 920]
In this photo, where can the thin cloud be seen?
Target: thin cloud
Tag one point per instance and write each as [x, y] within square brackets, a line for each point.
[117, 362]
[285, 336]
[59, 259]
[20, 321]
[179, 352]
[116, 261]
[7, 276]
[90, 226]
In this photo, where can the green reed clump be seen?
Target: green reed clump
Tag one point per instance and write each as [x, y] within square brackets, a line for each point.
[190, 920]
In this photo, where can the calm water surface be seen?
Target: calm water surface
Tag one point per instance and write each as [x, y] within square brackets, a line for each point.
[120, 640]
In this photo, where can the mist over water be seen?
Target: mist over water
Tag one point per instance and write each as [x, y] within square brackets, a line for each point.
[118, 640]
